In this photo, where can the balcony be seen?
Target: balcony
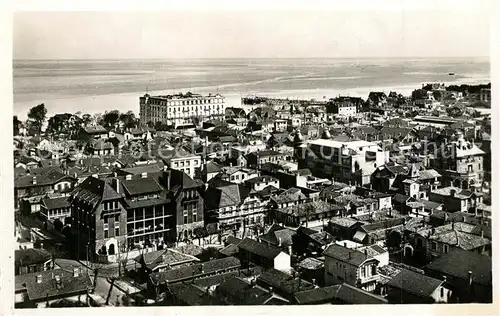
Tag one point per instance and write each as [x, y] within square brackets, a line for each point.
[369, 279]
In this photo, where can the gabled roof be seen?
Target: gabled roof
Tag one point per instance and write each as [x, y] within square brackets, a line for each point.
[344, 254]
[48, 288]
[415, 283]
[283, 282]
[55, 203]
[211, 167]
[191, 271]
[26, 257]
[258, 248]
[480, 266]
[50, 178]
[95, 190]
[340, 292]
[97, 129]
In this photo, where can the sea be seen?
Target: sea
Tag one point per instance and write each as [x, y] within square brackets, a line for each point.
[96, 86]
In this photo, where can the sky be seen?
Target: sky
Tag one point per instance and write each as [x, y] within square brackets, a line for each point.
[251, 34]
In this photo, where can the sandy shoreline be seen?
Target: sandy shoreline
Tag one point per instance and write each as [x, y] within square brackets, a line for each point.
[130, 101]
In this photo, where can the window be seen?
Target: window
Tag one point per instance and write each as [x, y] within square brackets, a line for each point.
[442, 291]
[106, 231]
[185, 217]
[446, 248]
[117, 229]
[363, 272]
[434, 245]
[194, 216]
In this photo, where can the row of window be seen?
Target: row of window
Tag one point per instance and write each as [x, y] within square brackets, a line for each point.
[187, 163]
[186, 102]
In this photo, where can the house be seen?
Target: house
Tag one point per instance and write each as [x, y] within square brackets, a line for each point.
[261, 254]
[210, 170]
[158, 282]
[35, 186]
[58, 208]
[343, 227]
[162, 260]
[50, 286]
[187, 294]
[456, 199]
[470, 281]
[351, 266]
[373, 232]
[409, 287]
[283, 284]
[433, 242]
[346, 161]
[237, 291]
[304, 213]
[376, 99]
[182, 160]
[461, 163]
[32, 260]
[260, 182]
[337, 294]
[310, 242]
[92, 132]
[278, 236]
[100, 147]
[256, 159]
[287, 198]
[238, 174]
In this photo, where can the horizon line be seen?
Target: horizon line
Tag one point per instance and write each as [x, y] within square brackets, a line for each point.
[256, 58]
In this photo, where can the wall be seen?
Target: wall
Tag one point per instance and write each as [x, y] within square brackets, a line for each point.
[282, 262]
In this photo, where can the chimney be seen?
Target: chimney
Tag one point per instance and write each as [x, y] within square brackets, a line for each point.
[168, 176]
[452, 192]
[452, 225]
[116, 185]
[271, 291]
[482, 233]
[279, 241]
[470, 278]
[76, 272]
[128, 177]
[445, 217]
[345, 244]
[144, 175]
[39, 278]
[350, 255]
[202, 269]
[34, 179]
[463, 219]
[366, 253]
[290, 249]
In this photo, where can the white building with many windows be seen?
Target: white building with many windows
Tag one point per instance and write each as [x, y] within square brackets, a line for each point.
[180, 109]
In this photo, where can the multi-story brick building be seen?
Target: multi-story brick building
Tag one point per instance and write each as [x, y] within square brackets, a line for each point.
[180, 109]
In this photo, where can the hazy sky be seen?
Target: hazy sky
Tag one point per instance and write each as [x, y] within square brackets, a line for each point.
[254, 34]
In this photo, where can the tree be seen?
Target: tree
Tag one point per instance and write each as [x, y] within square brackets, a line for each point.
[86, 119]
[16, 125]
[109, 119]
[437, 95]
[419, 94]
[200, 232]
[37, 115]
[128, 119]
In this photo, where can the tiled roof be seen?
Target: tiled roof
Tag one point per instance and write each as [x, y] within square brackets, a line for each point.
[290, 195]
[311, 263]
[55, 203]
[195, 270]
[190, 294]
[26, 257]
[343, 221]
[222, 195]
[258, 248]
[348, 255]
[48, 288]
[480, 266]
[283, 282]
[215, 279]
[94, 190]
[164, 257]
[50, 178]
[428, 174]
[414, 283]
[141, 186]
[212, 167]
[340, 292]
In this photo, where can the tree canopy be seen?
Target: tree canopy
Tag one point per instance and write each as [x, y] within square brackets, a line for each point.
[37, 115]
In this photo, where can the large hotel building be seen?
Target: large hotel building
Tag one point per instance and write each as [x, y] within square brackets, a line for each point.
[180, 109]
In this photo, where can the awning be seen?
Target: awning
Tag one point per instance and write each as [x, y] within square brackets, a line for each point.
[359, 236]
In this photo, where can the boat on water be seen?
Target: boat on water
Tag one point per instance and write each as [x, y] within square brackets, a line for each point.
[451, 74]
